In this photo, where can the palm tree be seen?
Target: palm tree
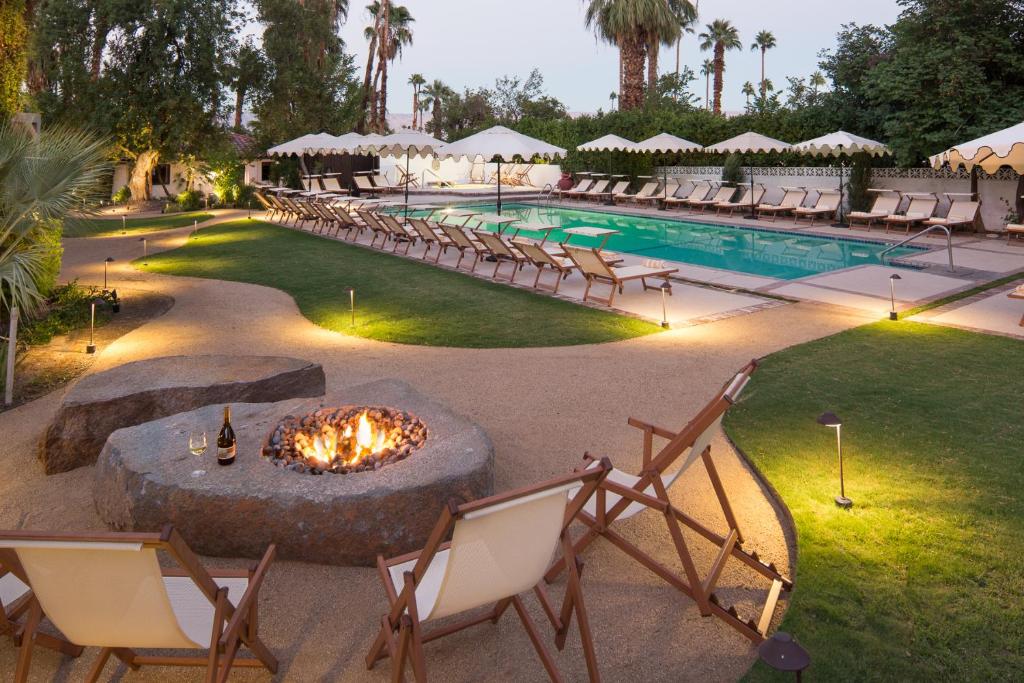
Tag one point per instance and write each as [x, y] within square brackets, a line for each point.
[720, 35]
[41, 180]
[817, 81]
[434, 96]
[748, 90]
[613, 96]
[416, 81]
[387, 35]
[666, 29]
[763, 41]
[706, 69]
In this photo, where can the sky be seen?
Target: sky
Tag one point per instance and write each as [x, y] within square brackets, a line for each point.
[469, 43]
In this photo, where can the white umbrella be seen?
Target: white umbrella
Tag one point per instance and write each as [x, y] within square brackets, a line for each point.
[299, 145]
[837, 144]
[666, 143]
[349, 143]
[1002, 148]
[410, 143]
[500, 142]
[607, 143]
[749, 143]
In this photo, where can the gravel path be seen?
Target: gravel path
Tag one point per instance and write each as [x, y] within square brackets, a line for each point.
[541, 407]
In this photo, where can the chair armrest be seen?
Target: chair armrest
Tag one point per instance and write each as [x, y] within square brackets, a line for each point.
[654, 429]
[248, 601]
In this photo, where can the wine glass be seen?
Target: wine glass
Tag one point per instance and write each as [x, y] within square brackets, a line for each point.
[197, 442]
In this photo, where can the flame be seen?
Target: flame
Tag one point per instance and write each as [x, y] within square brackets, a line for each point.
[364, 433]
[326, 446]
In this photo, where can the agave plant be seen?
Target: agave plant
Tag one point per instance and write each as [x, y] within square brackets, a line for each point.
[42, 179]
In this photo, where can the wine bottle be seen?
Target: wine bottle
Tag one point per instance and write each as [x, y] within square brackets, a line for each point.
[226, 445]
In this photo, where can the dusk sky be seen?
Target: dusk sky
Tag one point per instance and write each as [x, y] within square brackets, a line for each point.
[471, 42]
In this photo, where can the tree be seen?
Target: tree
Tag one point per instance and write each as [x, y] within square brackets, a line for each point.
[389, 33]
[13, 55]
[248, 72]
[434, 96]
[416, 81]
[763, 41]
[720, 35]
[748, 90]
[666, 29]
[816, 81]
[310, 83]
[512, 99]
[706, 69]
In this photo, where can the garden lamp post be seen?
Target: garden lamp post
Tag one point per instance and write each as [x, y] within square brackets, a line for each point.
[91, 346]
[666, 288]
[832, 420]
[124, 225]
[108, 260]
[892, 295]
[145, 250]
[352, 304]
[782, 653]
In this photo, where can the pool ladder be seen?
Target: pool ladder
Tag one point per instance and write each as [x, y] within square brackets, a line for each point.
[930, 228]
[545, 193]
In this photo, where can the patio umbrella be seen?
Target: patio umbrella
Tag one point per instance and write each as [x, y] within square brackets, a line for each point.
[608, 143]
[502, 143]
[410, 143]
[837, 144]
[1002, 148]
[749, 143]
[664, 143]
[348, 143]
[299, 145]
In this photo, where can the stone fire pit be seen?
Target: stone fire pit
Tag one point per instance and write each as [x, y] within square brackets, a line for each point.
[145, 479]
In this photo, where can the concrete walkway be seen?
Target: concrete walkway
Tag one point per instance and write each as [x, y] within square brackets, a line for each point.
[541, 407]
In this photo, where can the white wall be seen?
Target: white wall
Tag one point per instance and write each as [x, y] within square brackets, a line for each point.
[459, 171]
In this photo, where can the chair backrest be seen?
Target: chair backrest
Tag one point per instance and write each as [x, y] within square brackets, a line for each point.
[724, 194]
[758, 195]
[501, 550]
[494, 243]
[620, 187]
[922, 207]
[829, 199]
[535, 253]
[420, 226]
[476, 172]
[701, 189]
[887, 203]
[371, 220]
[392, 223]
[362, 182]
[598, 187]
[380, 180]
[331, 183]
[456, 235]
[647, 190]
[588, 260]
[793, 198]
[583, 185]
[961, 210]
[264, 202]
[308, 184]
[102, 593]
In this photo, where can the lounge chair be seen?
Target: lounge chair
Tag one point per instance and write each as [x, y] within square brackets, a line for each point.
[265, 202]
[108, 590]
[522, 175]
[581, 187]
[598, 189]
[1018, 293]
[404, 178]
[697, 188]
[744, 202]
[560, 265]
[381, 182]
[626, 495]
[431, 238]
[332, 186]
[646, 191]
[1014, 230]
[618, 188]
[399, 233]
[500, 548]
[962, 214]
[886, 203]
[310, 185]
[15, 600]
[921, 208]
[380, 230]
[595, 269]
[501, 252]
[363, 184]
[671, 187]
[792, 199]
[465, 245]
[825, 207]
[723, 194]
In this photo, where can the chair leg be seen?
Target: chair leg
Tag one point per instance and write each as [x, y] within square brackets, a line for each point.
[398, 660]
[97, 667]
[28, 638]
[213, 660]
[538, 644]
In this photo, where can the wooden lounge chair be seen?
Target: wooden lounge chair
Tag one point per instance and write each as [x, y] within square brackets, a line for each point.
[15, 600]
[623, 495]
[581, 187]
[887, 203]
[1018, 293]
[431, 238]
[501, 252]
[399, 233]
[406, 178]
[962, 214]
[1014, 230]
[332, 187]
[522, 175]
[596, 190]
[618, 188]
[697, 188]
[500, 548]
[595, 269]
[560, 265]
[671, 187]
[344, 221]
[268, 207]
[365, 187]
[465, 245]
[310, 185]
[723, 194]
[280, 209]
[743, 202]
[108, 590]
[379, 229]
[648, 190]
[381, 183]
[922, 207]
[825, 207]
[792, 199]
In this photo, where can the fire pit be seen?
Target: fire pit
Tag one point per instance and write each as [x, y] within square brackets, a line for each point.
[353, 511]
[345, 440]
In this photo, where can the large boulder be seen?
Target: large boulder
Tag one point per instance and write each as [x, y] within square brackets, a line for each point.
[147, 390]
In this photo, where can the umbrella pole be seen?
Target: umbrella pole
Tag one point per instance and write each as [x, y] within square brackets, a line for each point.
[752, 216]
[499, 186]
[407, 153]
[839, 220]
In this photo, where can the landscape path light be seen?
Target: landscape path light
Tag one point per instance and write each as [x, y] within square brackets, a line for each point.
[91, 346]
[109, 259]
[832, 420]
[352, 304]
[892, 295]
[145, 250]
[782, 653]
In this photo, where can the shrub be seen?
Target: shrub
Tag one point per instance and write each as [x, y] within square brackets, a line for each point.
[732, 169]
[123, 195]
[66, 309]
[859, 182]
[189, 200]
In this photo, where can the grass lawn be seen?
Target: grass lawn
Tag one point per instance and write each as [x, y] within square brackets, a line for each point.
[396, 300]
[924, 578]
[105, 227]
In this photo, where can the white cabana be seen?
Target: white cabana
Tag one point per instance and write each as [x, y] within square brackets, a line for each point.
[990, 152]
[749, 143]
[837, 144]
[407, 143]
[502, 143]
[300, 145]
[607, 143]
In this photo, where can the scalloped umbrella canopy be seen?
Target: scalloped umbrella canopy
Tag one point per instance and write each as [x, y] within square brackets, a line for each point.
[399, 144]
[1002, 148]
[301, 144]
[749, 142]
[608, 143]
[348, 143]
[841, 142]
[665, 143]
[502, 142]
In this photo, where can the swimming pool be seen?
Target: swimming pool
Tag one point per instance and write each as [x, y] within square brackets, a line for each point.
[755, 251]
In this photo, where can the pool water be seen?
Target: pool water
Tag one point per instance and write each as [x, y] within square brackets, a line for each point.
[781, 255]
